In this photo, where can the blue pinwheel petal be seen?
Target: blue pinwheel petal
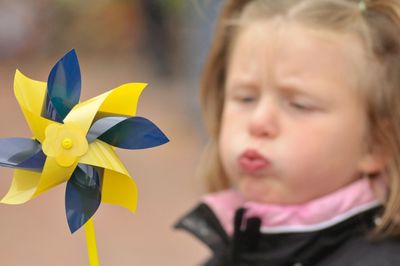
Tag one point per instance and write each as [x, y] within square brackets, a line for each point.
[21, 153]
[36, 162]
[127, 132]
[82, 196]
[63, 87]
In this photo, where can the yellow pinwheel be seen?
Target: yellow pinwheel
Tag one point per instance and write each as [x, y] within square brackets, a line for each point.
[74, 142]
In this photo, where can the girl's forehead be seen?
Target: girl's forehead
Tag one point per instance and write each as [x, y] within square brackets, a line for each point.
[289, 33]
[294, 55]
[276, 42]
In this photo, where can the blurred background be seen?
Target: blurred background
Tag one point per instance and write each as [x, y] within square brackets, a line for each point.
[160, 42]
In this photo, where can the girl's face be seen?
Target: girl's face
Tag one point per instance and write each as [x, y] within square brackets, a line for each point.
[293, 126]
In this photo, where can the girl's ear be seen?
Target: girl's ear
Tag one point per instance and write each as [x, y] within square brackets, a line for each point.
[371, 164]
[373, 161]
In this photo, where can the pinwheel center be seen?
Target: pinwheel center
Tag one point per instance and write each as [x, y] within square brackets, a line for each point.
[67, 143]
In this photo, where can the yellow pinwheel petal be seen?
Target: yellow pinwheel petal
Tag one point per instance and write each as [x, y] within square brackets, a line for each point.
[53, 174]
[84, 112]
[120, 101]
[118, 187]
[37, 124]
[23, 187]
[123, 100]
[28, 184]
[103, 155]
[29, 93]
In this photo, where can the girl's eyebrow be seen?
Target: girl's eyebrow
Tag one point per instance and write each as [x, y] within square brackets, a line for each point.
[241, 82]
[293, 89]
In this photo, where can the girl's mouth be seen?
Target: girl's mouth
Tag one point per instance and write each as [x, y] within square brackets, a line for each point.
[251, 161]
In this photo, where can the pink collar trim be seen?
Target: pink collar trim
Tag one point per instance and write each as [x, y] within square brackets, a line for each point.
[311, 216]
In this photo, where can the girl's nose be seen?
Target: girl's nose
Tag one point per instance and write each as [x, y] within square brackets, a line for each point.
[264, 121]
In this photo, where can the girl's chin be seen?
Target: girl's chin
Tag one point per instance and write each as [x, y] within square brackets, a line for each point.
[256, 191]
[264, 191]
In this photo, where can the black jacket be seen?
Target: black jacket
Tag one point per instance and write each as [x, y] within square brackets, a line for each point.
[344, 244]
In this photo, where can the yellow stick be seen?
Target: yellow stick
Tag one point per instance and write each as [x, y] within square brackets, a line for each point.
[91, 243]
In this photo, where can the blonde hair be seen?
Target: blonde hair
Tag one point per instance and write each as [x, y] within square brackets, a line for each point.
[378, 26]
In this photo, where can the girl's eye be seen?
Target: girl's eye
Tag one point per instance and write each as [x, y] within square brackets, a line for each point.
[301, 106]
[246, 99]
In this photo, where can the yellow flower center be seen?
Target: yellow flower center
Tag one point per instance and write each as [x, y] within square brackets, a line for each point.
[67, 143]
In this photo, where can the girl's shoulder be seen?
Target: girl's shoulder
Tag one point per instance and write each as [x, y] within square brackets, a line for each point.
[362, 251]
[204, 224]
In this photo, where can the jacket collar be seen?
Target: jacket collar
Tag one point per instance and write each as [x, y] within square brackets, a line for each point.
[317, 214]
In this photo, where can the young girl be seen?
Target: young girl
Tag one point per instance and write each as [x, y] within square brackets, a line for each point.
[302, 100]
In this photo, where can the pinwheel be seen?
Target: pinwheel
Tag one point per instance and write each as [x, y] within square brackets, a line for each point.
[74, 142]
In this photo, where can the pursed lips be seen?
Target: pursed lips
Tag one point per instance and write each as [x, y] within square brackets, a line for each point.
[252, 162]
